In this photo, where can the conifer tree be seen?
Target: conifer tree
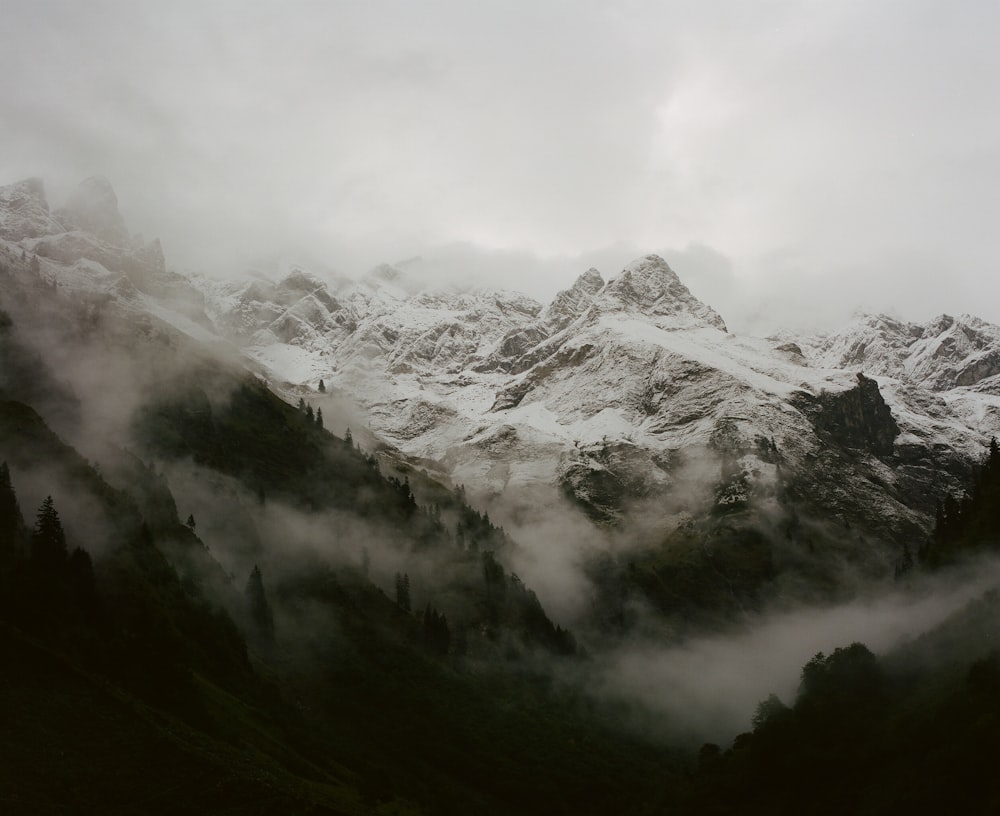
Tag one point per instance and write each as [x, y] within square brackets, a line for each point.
[80, 571]
[319, 417]
[403, 591]
[11, 521]
[309, 413]
[436, 633]
[322, 387]
[48, 542]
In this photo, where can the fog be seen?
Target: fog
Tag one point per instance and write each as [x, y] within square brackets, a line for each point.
[709, 687]
[829, 154]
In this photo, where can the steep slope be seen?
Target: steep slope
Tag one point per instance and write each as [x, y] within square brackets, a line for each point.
[442, 696]
[912, 731]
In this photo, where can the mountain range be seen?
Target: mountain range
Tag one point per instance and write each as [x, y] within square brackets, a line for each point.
[623, 399]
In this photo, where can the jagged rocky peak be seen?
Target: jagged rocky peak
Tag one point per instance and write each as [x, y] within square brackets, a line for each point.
[152, 254]
[300, 286]
[24, 211]
[93, 207]
[648, 285]
[939, 325]
[571, 303]
[301, 281]
[590, 282]
[943, 353]
[29, 192]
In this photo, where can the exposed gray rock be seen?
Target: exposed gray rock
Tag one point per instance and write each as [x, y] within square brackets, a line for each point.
[93, 208]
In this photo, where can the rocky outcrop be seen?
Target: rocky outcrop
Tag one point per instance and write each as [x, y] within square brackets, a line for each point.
[570, 303]
[650, 287]
[93, 208]
[856, 418]
[24, 211]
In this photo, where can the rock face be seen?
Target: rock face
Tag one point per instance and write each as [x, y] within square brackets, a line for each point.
[856, 418]
[944, 354]
[85, 245]
[650, 287]
[24, 211]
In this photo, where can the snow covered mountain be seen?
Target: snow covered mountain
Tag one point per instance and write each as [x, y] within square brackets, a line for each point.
[625, 396]
[632, 390]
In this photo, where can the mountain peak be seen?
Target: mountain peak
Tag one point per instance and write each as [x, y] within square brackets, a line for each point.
[29, 190]
[571, 303]
[301, 281]
[93, 207]
[590, 281]
[648, 285]
[24, 212]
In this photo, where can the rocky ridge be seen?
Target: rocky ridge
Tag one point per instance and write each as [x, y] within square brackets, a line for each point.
[619, 390]
[620, 395]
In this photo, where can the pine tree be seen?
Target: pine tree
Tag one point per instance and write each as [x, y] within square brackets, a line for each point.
[190, 522]
[436, 633]
[319, 417]
[302, 404]
[348, 439]
[48, 542]
[80, 571]
[322, 387]
[403, 591]
[11, 521]
[309, 413]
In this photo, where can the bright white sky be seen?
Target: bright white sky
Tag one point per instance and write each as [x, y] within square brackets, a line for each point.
[792, 160]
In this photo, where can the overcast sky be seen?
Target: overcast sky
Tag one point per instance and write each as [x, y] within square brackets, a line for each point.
[793, 160]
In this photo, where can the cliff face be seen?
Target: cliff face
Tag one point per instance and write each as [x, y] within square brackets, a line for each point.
[857, 418]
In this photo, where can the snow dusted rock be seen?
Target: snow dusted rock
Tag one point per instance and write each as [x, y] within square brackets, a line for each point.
[24, 211]
[85, 247]
[616, 393]
[569, 304]
[943, 354]
[650, 287]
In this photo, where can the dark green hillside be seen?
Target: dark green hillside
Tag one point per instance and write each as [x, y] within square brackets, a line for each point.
[968, 524]
[917, 731]
[353, 703]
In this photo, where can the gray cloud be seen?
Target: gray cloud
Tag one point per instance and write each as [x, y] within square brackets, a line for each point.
[833, 155]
